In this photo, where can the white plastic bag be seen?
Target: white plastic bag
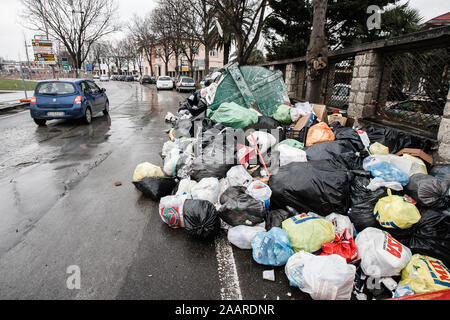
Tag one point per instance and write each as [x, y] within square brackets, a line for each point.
[170, 162]
[167, 148]
[381, 255]
[379, 182]
[260, 191]
[185, 187]
[206, 189]
[290, 154]
[322, 277]
[238, 176]
[171, 211]
[341, 224]
[241, 236]
[401, 163]
[264, 140]
[300, 109]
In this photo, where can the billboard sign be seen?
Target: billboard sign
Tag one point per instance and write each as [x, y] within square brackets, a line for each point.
[43, 51]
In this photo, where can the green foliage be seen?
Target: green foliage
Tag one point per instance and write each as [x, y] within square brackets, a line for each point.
[288, 28]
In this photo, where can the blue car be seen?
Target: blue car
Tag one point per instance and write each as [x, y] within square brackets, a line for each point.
[67, 99]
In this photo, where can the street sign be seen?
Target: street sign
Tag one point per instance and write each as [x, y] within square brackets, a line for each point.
[65, 63]
[43, 51]
[184, 65]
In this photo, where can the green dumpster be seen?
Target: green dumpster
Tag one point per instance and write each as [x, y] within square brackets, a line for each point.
[252, 87]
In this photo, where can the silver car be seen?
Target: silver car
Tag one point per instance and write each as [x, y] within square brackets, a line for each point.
[185, 84]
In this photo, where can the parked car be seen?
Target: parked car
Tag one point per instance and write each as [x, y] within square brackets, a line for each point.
[113, 77]
[122, 77]
[146, 79]
[420, 112]
[185, 84]
[340, 95]
[67, 99]
[129, 78]
[104, 77]
[164, 82]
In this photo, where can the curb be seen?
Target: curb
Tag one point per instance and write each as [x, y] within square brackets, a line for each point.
[14, 106]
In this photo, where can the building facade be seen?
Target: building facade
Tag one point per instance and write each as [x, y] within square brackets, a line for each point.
[196, 70]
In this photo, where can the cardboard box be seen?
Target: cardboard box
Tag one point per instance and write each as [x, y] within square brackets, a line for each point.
[333, 118]
[417, 153]
[320, 110]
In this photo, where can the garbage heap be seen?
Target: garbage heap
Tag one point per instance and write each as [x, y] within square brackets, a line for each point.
[350, 212]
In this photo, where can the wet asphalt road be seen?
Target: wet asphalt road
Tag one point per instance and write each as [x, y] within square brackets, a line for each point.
[60, 208]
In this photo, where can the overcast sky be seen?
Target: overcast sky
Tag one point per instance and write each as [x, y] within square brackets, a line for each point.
[12, 32]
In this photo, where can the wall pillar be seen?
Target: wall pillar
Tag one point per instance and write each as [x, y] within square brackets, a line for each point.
[443, 153]
[365, 84]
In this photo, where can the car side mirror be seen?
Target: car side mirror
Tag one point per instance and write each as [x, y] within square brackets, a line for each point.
[103, 90]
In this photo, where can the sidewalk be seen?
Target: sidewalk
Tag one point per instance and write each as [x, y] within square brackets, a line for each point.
[12, 99]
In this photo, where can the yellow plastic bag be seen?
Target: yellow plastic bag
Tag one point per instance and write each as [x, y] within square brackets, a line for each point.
[396, 212]
[378, 148]
[307, 232]
[418, 166]
[425, 274]
[146, 169]
[320, 132]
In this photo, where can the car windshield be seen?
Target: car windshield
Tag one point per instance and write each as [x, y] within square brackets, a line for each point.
[55, 88]
[164, 78]
[187, 80]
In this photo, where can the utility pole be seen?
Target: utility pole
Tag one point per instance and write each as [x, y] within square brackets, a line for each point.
[46, 33]
[28, 59]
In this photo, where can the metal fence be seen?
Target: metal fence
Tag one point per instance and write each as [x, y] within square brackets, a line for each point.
[414, 87]
[338, 83]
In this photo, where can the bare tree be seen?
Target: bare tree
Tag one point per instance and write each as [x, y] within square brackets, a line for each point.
[145, 38]
[317, 52]
[78, 24]
[163, 36]
[200, 18]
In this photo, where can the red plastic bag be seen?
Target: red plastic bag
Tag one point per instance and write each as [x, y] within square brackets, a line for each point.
[341, 246]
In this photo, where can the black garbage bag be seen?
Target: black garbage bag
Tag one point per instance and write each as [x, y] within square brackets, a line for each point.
[238, 207]
[431, 235]
[318, 186]
[349, 135]
[270, 125]
[441, 171]
[343, 151]
[200, 219]
[429, 191]
[183, 128]
[274, 218]
[362, 203]
[155, 187]
[204, 167]
[394, 139]
[397, 140]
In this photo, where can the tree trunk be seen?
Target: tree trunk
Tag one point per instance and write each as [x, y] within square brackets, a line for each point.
[317, 53]
[226, 51]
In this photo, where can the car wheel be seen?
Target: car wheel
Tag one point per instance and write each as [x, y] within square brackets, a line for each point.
[106, 110]
[40, 122]
[88, 116]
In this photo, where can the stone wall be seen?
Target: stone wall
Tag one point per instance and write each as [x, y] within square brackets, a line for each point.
[365, 83]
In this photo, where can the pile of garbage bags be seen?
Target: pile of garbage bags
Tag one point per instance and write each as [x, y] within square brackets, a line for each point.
[348, 212]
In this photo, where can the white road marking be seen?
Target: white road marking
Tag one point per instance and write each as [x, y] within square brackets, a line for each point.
[228, 276]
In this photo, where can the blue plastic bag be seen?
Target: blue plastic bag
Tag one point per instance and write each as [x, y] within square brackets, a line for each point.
[388, 172]
[272, 248]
